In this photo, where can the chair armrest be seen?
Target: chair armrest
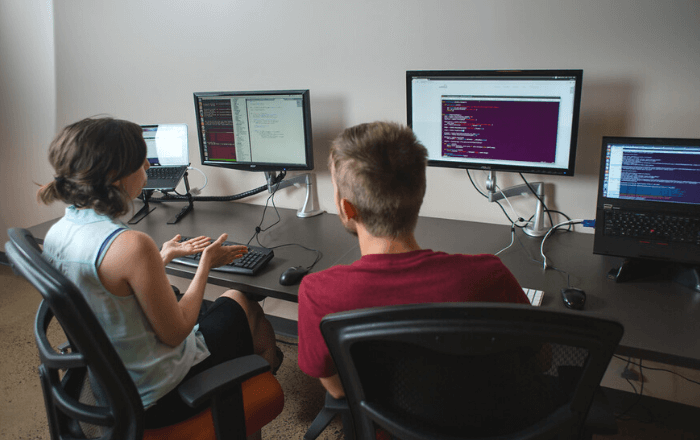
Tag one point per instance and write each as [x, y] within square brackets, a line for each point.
[220, 378]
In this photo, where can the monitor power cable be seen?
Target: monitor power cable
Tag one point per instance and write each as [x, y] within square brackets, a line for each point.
[198, 191]
[259, 229]
[551, 231]
[640, 393]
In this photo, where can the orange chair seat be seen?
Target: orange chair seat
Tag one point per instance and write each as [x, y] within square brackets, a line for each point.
[263, 400]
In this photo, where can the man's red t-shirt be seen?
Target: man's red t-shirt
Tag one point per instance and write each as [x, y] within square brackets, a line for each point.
[390, 279]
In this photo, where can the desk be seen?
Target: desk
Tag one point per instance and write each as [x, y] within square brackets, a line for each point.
[661, 319]
[323, 232]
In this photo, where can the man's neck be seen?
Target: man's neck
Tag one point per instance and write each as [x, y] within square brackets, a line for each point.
[370, 244]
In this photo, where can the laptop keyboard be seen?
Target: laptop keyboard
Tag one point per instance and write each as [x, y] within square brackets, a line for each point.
[535, 296]
[163, 172]
[680, 229]
[249, 264]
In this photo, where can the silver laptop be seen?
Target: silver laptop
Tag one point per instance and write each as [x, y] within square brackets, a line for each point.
[168, 154]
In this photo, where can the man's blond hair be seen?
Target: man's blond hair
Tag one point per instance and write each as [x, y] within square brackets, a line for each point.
[380, 168]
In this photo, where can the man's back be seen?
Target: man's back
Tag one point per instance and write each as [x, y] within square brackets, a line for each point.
[390, 279]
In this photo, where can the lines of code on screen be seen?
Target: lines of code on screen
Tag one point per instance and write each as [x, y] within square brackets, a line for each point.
[216, 118]
[518, 130]
[660, 177]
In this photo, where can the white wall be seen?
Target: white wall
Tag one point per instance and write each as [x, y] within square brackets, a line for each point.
[27, 110]
[143, 60]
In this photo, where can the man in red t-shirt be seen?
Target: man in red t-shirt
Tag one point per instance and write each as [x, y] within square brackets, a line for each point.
[378, 175]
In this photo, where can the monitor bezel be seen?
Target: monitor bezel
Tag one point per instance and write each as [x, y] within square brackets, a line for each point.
[262, 166]
[525, 168]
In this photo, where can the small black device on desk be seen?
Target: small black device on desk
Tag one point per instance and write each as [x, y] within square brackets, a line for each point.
[249, 264]
[293, 275]
[573, 298]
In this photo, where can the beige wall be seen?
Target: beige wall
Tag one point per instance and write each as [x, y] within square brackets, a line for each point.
[27, 110]
[143, 60]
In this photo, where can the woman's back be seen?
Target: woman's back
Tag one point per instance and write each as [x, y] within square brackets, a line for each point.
[76, 245]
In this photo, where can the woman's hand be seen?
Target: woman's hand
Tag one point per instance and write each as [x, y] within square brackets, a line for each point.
[217, 255]
[173, 248]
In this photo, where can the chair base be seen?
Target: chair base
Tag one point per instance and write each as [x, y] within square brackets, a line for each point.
[331, 408]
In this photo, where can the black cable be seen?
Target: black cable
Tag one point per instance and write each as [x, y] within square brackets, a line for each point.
[560, 213]
[527, 252]
[638, 394]
[474, 185]
[319, 254]
[259, 229]
[661, 369]
[569, 229]
[167, 197]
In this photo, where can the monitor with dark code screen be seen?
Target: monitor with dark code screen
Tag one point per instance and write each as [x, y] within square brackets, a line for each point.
[255, 131]
[519, 121]
[649, 199]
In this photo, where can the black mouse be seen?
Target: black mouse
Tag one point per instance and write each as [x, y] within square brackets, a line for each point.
[573, 298]
[293, 275]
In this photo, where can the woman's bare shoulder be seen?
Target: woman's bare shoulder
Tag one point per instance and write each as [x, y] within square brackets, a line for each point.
[133, 244]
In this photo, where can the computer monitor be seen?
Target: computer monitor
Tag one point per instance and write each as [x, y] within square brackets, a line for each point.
[648, 204]
[497, 120]
[255, 131]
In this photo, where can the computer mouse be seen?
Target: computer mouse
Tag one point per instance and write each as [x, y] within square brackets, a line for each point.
[293, 275]
[573, 298]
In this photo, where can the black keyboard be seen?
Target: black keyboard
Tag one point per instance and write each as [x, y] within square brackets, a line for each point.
[163, 172]
[248, 264]
[652, 226]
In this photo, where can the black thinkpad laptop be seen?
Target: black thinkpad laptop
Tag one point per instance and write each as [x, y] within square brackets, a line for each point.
[167, 153]
[649, 199]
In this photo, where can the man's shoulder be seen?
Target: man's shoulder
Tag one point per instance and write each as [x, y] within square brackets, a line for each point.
[463, 258]
[327, 275]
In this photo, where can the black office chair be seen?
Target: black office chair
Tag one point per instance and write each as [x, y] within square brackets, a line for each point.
[89, 394]
[469, 370]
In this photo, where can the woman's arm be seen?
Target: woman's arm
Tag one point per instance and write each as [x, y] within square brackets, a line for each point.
[134, 265]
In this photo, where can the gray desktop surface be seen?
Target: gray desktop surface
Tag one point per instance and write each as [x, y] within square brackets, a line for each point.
[323, 232]
[661, 318]
[239, 220]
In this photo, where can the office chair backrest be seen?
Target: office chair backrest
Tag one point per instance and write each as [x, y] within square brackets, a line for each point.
[121, 417]
[469, 370]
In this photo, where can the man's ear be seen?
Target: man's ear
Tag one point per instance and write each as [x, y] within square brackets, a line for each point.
[349, 210]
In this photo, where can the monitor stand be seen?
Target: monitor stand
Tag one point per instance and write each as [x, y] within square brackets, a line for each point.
[633, 269]
[311, 206]
[145, 210]
[190, 204]
[536, 227]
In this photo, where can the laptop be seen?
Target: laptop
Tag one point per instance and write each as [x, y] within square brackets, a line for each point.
[167, 153]
[649, 200]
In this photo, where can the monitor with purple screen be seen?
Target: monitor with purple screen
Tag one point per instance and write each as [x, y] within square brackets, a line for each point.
[521, 121]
